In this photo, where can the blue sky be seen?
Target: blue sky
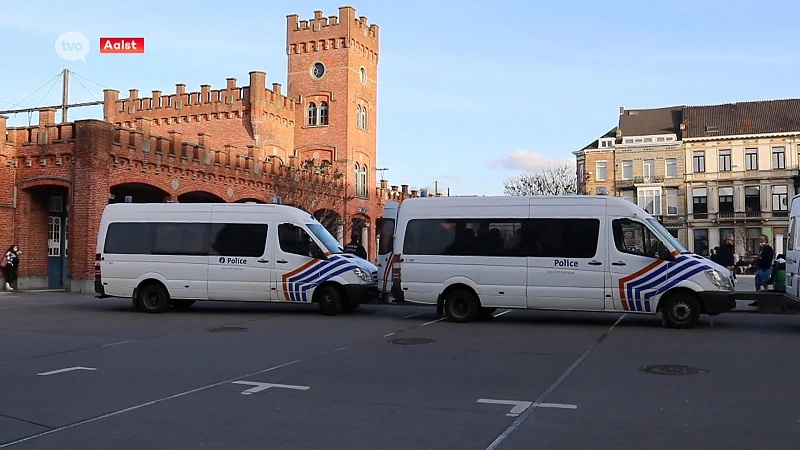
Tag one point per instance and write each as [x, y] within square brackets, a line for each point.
[470, 92]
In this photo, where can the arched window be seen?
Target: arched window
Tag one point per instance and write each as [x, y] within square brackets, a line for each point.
[357, 171]
[363, 180]
[361, 117]
[312, 114]
[323, 113]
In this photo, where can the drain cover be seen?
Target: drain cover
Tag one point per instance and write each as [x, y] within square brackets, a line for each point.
[411, 341]
[671, 369]
[228, 330]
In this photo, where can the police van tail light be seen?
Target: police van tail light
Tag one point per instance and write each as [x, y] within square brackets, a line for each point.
[97, 258]
[396, 268]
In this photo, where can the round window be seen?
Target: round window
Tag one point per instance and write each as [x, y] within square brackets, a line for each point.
[318, 70]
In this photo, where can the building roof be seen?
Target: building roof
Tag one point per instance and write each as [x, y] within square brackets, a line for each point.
[648, 122]
[612, 133]
[757, 117]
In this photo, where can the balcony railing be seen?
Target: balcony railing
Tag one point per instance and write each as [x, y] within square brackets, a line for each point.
[742, 175]
[641, 180]
[751, 216]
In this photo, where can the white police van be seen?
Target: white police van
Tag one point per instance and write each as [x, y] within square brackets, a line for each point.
[472, 255]
[793, 255]
[173, 254]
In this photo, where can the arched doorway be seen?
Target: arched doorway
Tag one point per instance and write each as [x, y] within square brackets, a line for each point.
[199, 197]
[250, 200]
[332, 221]
[136, 193]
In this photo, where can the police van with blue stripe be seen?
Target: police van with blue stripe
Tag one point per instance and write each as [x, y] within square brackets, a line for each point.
[170, 255]
[473, 255]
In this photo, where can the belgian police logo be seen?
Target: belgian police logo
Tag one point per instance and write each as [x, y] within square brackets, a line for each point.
[221, 260]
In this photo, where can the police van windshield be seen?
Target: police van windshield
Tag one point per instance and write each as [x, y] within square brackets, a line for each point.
[666, 236]
[330, 242]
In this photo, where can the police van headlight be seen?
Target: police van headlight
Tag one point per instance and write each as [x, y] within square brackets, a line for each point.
[719, 279]
[363, 274]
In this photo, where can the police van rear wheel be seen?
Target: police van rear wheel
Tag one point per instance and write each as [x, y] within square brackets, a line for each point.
[680, 311]
[330, 302]
[153, 299]
[461, 305]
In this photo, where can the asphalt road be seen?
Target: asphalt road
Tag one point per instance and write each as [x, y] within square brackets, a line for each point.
[167, 382]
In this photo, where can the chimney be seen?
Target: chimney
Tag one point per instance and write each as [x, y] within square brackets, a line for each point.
[3, 128]
[180, 89]
[414, 193]
[394, 188]
[47, 117]
[133, 94]
[404, 188]
[276, 88]
[110, 99]
[231, 83]
[156, 99]
[384, 184]
[621, 110]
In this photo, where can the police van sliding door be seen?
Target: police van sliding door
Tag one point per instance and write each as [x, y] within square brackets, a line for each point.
[566, 261]
[240, 262]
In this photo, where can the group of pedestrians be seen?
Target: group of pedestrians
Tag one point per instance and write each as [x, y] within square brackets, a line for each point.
[770, 269]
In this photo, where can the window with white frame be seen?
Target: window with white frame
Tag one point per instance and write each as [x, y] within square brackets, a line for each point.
[607, 143]
[725, 164]
[699, 161]
[671, 167]
[780, 198]
[601, 170]
[778, 157]
[363, 178]
[751, 159]
[361, 117]
[650, 200]
[627, 170]
[649, 170]
[672, 202]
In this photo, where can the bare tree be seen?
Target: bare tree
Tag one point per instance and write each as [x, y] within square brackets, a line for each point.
[553, 180]
[315, 187]
[740, 238]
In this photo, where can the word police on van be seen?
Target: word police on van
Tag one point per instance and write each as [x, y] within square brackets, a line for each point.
[472, 255]
[172, 254]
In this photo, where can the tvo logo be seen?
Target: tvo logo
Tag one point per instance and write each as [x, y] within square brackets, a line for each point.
[72, 46]
[229, 260]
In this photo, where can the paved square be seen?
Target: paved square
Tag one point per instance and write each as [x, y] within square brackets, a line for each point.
[79, 372]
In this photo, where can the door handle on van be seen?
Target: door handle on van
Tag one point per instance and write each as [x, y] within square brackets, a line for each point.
[281, 261]
[618, 263]
[595, 263]
[263, 260]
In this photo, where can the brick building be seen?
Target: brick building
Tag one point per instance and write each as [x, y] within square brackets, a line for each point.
[215, 145]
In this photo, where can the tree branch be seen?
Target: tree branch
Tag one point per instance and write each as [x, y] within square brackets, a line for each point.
[553, 180]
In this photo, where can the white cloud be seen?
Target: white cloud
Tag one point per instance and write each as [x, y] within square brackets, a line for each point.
[528, 161]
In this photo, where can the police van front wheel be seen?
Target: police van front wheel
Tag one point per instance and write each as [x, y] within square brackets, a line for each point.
[330, 302]
[461, 305]
[680, 311]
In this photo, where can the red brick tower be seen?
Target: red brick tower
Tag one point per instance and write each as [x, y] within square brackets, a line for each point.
[332, 74]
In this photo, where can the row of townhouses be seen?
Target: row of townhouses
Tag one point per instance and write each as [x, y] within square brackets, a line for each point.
[704, 171]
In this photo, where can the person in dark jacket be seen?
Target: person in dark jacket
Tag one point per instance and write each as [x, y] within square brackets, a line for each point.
[355, 247]
[725, 255]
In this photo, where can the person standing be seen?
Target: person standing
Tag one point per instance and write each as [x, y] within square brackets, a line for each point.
[11, 267]
[763, 263]
[354, 246]
[725, 255]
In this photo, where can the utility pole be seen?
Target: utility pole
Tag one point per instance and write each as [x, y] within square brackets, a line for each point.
[64, 95]
[435, 188]
[382, 171]
[64, 101]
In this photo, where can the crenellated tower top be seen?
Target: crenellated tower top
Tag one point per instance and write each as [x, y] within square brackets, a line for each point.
[333, 32]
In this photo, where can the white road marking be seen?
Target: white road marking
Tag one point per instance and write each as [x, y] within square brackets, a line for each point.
[117, 343]
[144, 405]
[390, 334]
[339, 349]
[264, 386]
[432, 321]
[518, 422]
[411, 315]
[500, 314]
[68, 369]
[555, 405]
[519, 406]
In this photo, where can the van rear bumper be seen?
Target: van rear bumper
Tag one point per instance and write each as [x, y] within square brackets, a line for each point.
[362, 293]
[715, 303]
[98, 288]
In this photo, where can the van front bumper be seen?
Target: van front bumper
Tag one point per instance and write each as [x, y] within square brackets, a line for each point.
[362, 293]
[715, 302]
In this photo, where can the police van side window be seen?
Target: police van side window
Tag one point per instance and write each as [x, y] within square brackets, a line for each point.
[238, 239]
[293, 239]
[634, 238]
[129, 239]
[463, 237]
[181, 239]
[560, 238]
[386, 236]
